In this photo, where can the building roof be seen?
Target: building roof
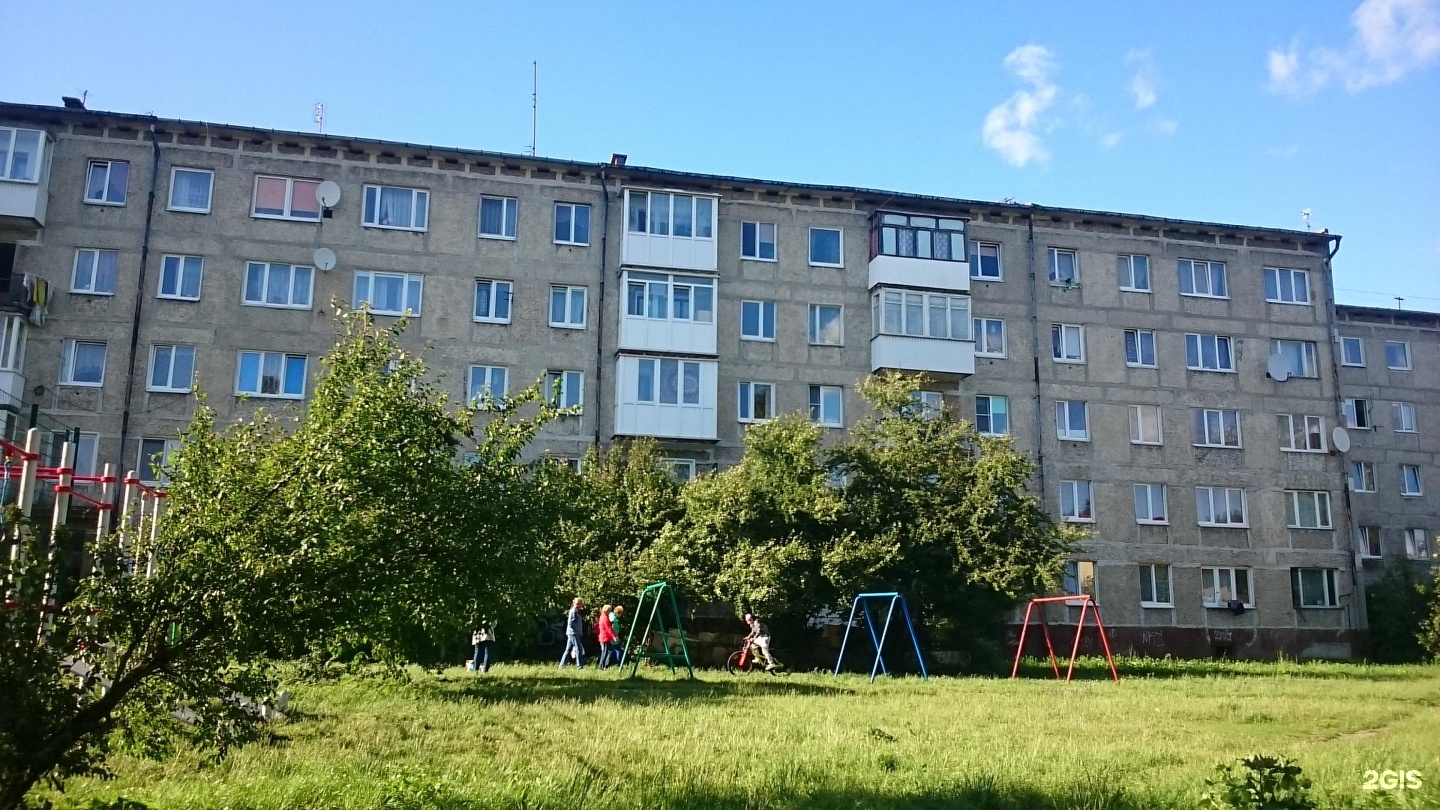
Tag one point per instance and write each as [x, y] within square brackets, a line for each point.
[1388, 315]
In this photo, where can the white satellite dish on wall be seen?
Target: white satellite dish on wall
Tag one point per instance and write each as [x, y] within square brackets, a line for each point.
[1278, 368]
[1340, 440]
[328, 194]
[325, 259]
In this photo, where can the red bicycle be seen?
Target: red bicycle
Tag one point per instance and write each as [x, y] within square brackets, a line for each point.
[744, 661]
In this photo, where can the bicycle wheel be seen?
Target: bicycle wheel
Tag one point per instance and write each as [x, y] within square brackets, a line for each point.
[732, 664]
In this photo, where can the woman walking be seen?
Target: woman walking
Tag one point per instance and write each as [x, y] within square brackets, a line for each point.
[605, 634]
[483, 637]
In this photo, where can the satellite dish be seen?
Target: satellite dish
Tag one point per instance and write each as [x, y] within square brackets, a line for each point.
[1278, 368]
[328, 194]
[325, 259]
[1340, 440]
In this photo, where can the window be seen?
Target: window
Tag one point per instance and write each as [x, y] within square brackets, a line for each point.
[82, 362]
[406, 209]
[106, 181]
[927, 404]
[1284, 286]
[1417, 545]
[1064, 267]
[1067, 343]
[20, 154]
[497, 217]
[1155, 586]
[1397, 355]
[827, 247]
[571, 388]
[1075, 503]
[985, 261]
[1217, 506]
[1299, 356]
[1301, 433]
[154, 460]
[1362, 476]
[285, 198]
[492, 301]
[1072, 421]
[1305, 509]
[1221, 586]
[757, 241]
[1145, 424]
[389, 293]
[567, 307]
[1203, 279]
[826, 407]
[572, 223]
[989, 337]
[1352, 352]
[826, 325]
[1150, 504]
[1140, 348]
[1208, 353]
[1410, 483]
[1080, 578]
[917, 314]
[680, 469]
[660, 296]
[190, 190]
[1314, 587]
[1367, 541]
[1134, 272]
[491, 381]
[95, 271]
[180, 277]
[992, 415]
[268, 284]
[757, 401]
[87, 454]
[668, 382]
[757, 320]
[172, 368]
[661, 213]
[920, 237]
[1404, 416]
[1357, 413]
[1217, 428]
[271, 374]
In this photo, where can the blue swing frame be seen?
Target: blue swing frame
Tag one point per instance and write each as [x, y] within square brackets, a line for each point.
[862, 602]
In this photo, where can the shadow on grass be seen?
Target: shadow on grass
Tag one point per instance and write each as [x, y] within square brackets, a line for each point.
[534, 688]
[1094, 668]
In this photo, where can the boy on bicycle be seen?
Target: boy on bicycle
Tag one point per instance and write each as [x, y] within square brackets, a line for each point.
[759, 638]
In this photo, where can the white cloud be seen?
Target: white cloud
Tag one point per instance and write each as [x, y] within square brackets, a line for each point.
[1392, 38]
[1013, 127]
[1144, 85]
[1164, 126]
[1110, 140]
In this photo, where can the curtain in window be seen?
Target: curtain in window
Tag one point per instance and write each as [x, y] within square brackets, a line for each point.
[492, 216]
[395, 205]
[302, 199]
[192, 190]
[270, 196]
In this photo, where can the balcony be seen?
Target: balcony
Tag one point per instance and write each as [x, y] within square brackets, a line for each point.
[670, 230]
[664, 312]
[24, 182]
[666, 397]
[919, 251]
[921, 331]
[906, 353]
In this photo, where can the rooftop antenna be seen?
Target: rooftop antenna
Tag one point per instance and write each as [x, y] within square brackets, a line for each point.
[534, 102]
[1305, 215]
[320, 117]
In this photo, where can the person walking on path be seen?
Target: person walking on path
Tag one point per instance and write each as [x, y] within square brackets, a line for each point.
[483, 638]
[615, 617]
[605, 634]
[575, 634]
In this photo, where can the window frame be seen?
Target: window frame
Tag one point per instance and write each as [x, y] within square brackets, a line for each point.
[1295, 497]
[1364, 535]
[1226, 493]
[880, 305]
[990, 414]
[1419, 477]
[566, 376]
[1418, 545]
[144, 463]
[711, 221]
[11, 136]
[94, 270]
[1149, 572]
[1210, 277]
[68, 349]
[1058, 351]
[1309, 356]
[1408, 360]
[1366, 475]
[1398, 412]
[1149, 495]
[1128, 273]
[1357, 409]
[285, 359]
[104, 199]
[1213, 574]
[493, 283]
[976, 265]
[1137, 424]
[405, 290]
[1359, 344]
[473, 395]
[821, 390]
[1229, 341]
[1074, 487]
[181, 260]
[265, 283]
[744, 387]
[1075, 571]
[209, 195]
[896, 221]
[656, 372]
[1139, 361]
[555, 223]
[1291, 273]
[569, 291]
[1063, 434]
[1287, 434]
[758, 227]
[1203, 414]
[646, 279]
[840, 240]
[1052, 263]
[509, 217]
[977, 327]
[764, 308]
[1329, 588]
[170, 376]
[289, 215]
[670, 465]
[813, 324]
[414, 195]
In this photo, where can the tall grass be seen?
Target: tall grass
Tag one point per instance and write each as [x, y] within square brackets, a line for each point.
[527, 736]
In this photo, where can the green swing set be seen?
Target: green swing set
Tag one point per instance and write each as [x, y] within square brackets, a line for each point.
[657, 594]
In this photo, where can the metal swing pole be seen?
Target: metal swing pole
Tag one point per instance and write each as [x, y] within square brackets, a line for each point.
[914, 639]
[846, 639]
[883, 633]
[870, 625]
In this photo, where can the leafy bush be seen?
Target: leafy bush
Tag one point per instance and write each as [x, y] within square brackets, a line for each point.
[1258, 782]
[1397, 605]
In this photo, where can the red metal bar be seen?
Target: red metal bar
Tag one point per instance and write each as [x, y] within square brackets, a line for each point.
[1045, 626]
[1020, 648]
[1106, 642]
[12, 449]
[82, 496]
[1079, 631]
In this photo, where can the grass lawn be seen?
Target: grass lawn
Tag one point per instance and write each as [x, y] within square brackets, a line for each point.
[525, 736]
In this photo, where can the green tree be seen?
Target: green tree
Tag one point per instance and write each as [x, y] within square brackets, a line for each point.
[1430, 627]
[352, 528]
[1396, 606]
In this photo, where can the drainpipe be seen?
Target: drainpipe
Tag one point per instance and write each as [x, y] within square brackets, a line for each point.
[1035, 357]
[139, 297]
[600, 311]
[1358, 612]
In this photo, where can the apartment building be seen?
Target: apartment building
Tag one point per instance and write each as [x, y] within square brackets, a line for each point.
[1130, 355]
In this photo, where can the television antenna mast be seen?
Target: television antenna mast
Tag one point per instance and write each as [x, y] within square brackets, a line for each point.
[320, 117]
[1305, 215]
[534, 102]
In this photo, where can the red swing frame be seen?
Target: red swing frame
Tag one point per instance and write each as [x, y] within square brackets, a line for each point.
[1087, 605]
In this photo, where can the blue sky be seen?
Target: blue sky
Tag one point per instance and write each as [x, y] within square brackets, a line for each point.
[1237, 112]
